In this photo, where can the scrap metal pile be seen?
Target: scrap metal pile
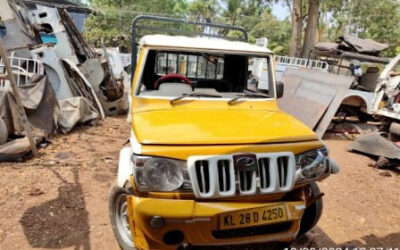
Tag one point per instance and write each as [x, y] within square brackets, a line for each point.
[62, 80]
[357, 98]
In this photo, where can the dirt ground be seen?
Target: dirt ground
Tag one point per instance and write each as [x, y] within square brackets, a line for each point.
[59, 200]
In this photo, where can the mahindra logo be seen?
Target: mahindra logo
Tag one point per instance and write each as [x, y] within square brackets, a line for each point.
[246, 162]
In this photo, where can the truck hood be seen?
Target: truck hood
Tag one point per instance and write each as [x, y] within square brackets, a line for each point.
[207, 127]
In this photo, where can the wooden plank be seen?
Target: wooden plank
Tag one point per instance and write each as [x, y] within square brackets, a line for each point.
[21, 110]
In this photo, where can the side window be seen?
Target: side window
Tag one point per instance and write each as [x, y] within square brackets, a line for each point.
[190, 65]
[192, 61]
[262, 70]
[211, 66]
[220, 68]
[201, 67]
[182, 62]
[172, 63]
[161, 67]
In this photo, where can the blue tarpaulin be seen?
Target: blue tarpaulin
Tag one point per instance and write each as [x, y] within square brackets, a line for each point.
[48, 38]
[3, 31]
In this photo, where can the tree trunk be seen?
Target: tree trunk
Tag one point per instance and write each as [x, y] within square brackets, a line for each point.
[297, 22]
[311, 29]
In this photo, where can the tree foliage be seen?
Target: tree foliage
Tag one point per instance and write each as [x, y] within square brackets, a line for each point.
[256, 17]
[379, 20]
[277, 32]
[204, 11]
[111, 22]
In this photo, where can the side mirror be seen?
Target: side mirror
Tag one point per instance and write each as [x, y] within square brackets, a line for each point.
[279, 89]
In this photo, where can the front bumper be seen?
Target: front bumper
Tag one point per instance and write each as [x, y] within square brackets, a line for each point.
[198, 221]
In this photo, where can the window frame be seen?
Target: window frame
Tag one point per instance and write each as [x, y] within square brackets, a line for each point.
[187, 54]
[137, 80]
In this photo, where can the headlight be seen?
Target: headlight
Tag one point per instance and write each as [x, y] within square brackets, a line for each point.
[312, 165]
[160, 174]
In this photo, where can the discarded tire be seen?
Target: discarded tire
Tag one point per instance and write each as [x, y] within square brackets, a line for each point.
[3, 132]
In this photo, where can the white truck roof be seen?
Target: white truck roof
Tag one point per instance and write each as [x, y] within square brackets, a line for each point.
[201, 43]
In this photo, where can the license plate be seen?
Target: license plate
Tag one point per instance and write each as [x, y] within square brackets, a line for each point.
[253, 217]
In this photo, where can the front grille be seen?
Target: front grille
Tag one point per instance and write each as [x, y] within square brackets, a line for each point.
[264, 171]
[252, 231]
[283, 162]
[246, 180]
[224, 181]
[225, 175]
[203, 176]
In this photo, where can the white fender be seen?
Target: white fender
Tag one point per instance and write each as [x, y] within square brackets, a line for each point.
[125, 166]
[366, 97]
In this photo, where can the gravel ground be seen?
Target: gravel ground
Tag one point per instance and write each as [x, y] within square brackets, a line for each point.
[59, 200]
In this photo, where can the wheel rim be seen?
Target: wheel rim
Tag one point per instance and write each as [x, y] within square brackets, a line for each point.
[122, 220]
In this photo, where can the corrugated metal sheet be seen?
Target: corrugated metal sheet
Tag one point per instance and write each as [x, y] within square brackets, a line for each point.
[313, 96]
[375, 144]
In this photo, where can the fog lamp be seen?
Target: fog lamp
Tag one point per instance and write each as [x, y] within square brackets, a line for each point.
[156, 222]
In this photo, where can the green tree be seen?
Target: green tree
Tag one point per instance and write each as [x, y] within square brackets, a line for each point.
[310, 20]
[277, 32]
[378, 20]
[311, 27]
[304, 17]
[111, 21]
[256, 17]
[204, 10]
[245, 13]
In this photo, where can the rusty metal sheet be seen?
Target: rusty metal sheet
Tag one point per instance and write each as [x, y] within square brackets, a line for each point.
[313, 96]
[364, 45]
[303, 99]
[374, 144]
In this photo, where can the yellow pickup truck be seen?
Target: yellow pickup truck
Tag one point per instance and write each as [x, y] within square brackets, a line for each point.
[212, 160]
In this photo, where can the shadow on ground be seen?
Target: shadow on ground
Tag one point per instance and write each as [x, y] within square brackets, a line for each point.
[59, 223]
[317, 238]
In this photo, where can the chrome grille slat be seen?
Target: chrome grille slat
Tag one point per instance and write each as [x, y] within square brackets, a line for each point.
[203, 173]
[203, 180]
[244, 178]
[223, 178]
[223, 175]
[263, 165]
[217, 176]
[282, 171]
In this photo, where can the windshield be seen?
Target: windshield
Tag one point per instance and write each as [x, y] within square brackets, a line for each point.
[209, 75]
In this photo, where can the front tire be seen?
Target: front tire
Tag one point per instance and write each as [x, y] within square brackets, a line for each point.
[313, 213]
[118, 213]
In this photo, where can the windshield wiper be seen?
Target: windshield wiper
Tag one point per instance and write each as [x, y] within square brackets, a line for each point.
[255, 95]
[173, 101]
